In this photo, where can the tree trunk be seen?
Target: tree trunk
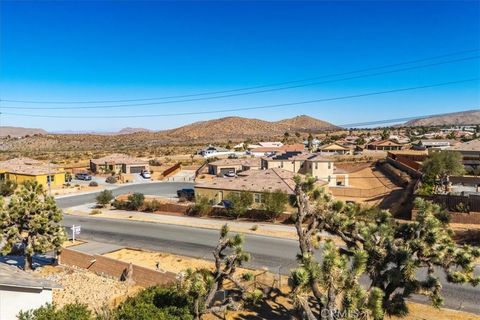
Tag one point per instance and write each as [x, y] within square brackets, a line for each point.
[28, 262]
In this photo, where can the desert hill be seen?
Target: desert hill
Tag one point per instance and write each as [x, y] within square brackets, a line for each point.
[19, 131]
[456, 118]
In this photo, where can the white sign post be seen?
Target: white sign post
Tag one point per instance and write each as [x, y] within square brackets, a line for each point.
[75, 231]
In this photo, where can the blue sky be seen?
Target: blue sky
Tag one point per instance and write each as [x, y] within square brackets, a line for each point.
[87, 50]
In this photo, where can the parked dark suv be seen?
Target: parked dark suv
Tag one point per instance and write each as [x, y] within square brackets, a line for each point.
[188, 194]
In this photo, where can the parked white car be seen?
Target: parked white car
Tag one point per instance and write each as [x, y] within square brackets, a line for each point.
[145, 174]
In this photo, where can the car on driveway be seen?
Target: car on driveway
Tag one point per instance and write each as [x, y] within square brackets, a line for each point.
[146, 174]
[83, 176]
[229, 174]
[186, 193]
[226, 204]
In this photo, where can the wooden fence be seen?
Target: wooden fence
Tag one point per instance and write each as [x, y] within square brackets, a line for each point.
[358, 193]
[172, 170]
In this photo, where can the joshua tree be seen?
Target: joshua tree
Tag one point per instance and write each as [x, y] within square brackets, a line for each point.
[389, 252]
[31, 219]
[202, 285]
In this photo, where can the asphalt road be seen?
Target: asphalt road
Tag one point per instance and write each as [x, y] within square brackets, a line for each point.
[167, 189]
[275, 254]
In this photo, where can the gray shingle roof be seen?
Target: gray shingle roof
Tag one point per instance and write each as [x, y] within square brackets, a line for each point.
[14, 277]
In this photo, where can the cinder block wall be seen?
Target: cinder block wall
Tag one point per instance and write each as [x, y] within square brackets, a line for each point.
[114, 268]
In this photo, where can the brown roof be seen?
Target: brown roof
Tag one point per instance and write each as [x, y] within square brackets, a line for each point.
[29, 167]
[248, 162]
[285, 148]
[334, 146]
[472, 145]
[385, 143]
[256, 181]
[118, 158]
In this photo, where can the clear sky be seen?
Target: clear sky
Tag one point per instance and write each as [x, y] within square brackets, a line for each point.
[106, 50]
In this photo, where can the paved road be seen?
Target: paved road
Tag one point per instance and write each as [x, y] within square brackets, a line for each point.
[167, 189]
[273, 253]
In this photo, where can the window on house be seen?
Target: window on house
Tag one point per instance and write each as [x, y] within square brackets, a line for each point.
[316, 165]
[329, 165]
[329, 178]
[257, 197]
[50, 178]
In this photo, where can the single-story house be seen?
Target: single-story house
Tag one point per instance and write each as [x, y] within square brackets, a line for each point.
[22, 291]
[262, 144]
[118, 163]
[212, 150]
[222, 166]
[335, 148]
[257, 182]
[470, 151]
[384, 145]
[436, 144]
[21, 170]
[313, 164]
[266, 151]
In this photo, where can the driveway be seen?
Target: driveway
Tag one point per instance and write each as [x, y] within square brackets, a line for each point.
[165, 189]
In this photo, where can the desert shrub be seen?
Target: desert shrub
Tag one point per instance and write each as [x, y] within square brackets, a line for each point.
[136, 200]
[202, 206]
[7, 188]
[241, 202]
[155, 303]
[120, 204]
[93, 184]
[275, 203]
[95, 211]
[111, 179]
[50, 312]
[152, 206]
[104, 198]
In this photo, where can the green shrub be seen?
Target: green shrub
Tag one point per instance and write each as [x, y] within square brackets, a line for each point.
[152, 206]
[7, 188]
[155, 303]
[111, 179]
[275, 203]
[202, 206]
[241, 202]
[104, 198]
[50, 312]
[93, 184]
[120, 204]
[136, 200]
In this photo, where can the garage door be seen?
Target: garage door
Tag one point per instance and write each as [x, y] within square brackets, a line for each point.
[226, 170]
[137, 169]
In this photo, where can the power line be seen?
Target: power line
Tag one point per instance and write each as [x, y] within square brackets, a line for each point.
[246, 108]
[247, 88]
[241, 94]
[385, 121]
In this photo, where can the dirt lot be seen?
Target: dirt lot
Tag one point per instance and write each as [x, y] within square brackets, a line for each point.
[83, 286]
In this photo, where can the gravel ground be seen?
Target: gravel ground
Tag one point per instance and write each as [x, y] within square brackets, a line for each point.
[82, 286]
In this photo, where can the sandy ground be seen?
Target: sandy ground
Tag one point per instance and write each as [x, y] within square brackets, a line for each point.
[82, 286]
[369, 178]
[73, 190]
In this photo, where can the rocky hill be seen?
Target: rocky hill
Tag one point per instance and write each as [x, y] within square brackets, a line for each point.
[221, 130]
[19, 131]
[235, 128]
[457, 118]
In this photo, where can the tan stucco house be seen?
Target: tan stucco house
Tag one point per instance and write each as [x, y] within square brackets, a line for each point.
[118, 163]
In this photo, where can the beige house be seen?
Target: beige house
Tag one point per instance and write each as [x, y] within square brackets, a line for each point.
[335, 148]
[384, 145]
[118, 163]
[257, 182]
[220, 167]
[312, 164]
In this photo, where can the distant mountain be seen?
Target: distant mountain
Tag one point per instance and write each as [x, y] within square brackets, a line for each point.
[19, 131]
[235, 128]
[212, 131]
[456, 118]
[129, 130]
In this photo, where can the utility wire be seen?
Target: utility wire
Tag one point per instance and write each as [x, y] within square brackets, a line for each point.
[244, 93]
[247, 88]
[245, 108]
